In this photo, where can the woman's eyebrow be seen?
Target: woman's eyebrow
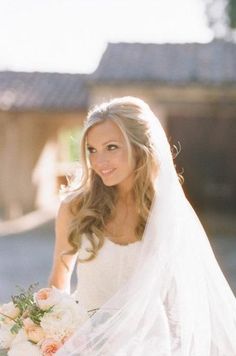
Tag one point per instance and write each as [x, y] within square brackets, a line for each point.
[105, 143]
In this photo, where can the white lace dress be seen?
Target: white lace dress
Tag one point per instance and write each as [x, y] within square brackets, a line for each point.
[101, 277]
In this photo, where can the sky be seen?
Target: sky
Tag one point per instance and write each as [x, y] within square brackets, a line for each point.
[71, 35]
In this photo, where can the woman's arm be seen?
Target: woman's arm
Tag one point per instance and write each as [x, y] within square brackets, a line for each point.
[60, 276]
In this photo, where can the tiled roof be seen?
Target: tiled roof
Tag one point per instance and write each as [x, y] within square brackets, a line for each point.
[42, 91]
[211, 63]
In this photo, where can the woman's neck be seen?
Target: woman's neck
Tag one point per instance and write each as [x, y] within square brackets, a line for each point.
[126, 199]
[125, 188]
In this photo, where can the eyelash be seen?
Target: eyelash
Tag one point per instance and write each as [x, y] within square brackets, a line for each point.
[90, 149]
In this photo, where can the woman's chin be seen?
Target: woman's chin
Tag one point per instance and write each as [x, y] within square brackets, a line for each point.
[108, 181]
[108, 184]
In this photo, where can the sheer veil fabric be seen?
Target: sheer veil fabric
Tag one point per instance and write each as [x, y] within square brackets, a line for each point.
[177, 302]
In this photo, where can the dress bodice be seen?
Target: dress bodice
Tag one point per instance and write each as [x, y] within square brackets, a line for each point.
[101, 277]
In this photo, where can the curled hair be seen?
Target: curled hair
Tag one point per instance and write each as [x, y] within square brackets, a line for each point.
[94, 203]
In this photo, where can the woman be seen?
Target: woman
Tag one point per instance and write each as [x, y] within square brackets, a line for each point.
[145, 265]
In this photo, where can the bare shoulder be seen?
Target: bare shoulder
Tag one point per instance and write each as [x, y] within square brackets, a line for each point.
[64, 215]
[66, 211]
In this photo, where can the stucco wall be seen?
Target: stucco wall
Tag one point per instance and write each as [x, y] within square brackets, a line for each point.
[28, 153]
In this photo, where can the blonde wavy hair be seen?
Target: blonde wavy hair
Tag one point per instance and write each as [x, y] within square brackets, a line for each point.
[94, 203]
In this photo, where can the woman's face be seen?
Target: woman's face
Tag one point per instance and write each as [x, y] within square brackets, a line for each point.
[108, 154]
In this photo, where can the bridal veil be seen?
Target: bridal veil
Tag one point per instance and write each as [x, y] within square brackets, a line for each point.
[177, 302]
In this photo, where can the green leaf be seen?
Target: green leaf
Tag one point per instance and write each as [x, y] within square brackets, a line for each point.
[16, 327]
[3, 352]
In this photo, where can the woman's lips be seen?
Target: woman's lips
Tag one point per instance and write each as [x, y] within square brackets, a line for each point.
[107, 172]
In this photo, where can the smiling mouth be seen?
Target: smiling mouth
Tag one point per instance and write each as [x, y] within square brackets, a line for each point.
[107, 172]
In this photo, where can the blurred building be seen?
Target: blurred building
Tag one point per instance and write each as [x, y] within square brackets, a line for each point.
[35, 108]
[191, 88]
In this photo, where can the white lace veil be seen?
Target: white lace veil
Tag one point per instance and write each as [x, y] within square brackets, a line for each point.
[177, 302]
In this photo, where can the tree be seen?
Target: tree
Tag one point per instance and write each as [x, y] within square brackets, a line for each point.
[221, 15]
[231, 9]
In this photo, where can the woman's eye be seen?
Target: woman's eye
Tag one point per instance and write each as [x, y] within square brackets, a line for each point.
[91, 149]
[112, 147]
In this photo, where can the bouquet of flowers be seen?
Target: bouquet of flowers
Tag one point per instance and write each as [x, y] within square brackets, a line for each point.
[38, 324]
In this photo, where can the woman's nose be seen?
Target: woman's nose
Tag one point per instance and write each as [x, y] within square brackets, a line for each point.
[101, 160]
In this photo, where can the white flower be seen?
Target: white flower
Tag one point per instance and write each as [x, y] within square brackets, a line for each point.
[64, 319]
[19, 338]
[6, 336]
[10, 310]
[24, 348]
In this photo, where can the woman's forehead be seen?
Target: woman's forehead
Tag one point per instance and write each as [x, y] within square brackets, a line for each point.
[104, 132]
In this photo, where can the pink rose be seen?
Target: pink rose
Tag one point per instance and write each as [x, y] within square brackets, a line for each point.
[33, 332]
[47, 297]
[50, 346]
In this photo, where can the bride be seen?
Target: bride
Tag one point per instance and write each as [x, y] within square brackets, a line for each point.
[146, 271]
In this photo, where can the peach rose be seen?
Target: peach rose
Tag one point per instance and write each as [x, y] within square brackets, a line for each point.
[33, 332]
[10, 310]
[47, 297]
[50, 346]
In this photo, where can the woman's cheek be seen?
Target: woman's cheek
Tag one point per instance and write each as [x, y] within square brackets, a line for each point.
[91, 162]
[120, 161]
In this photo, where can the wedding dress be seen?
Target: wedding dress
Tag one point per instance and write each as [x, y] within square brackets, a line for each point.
[101, 277]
